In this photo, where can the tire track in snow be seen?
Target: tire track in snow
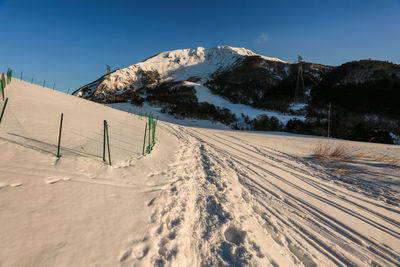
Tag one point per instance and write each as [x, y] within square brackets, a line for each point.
[389, 255]
[318, 186]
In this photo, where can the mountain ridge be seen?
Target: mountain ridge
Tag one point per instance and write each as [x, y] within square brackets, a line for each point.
[192, 83]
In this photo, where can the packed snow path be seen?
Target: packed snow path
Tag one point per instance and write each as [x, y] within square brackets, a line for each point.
[203, 197]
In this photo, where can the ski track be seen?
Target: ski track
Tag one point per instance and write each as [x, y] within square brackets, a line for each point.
[202, 217]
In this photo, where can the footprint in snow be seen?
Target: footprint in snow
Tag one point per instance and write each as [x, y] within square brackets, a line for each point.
[52, 181]
[151, 202]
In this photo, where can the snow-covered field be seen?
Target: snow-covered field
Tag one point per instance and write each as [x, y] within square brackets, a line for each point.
[203, 197]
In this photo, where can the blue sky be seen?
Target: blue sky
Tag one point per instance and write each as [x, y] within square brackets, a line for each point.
[69, 42]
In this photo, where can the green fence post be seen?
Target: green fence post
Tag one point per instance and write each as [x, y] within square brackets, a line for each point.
[154, 132]
[32, 81]
[54, 85]
[21, 75]
[4, 108]
[108, 144]
[144, 140]
[9, 75]
[44, 83]
[2, 89]
[149, 147]
[104, 142]
[4, 80]
[59, 136]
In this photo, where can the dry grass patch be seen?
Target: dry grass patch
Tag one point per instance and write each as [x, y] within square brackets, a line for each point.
[390, 160]
[336, 157]
[338, 153]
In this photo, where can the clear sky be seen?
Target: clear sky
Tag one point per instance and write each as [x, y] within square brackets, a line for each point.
[69, 41]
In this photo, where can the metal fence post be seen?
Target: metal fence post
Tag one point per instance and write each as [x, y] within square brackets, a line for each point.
[4, 108]
[150, 123]
[10, 75]
[154, 132]
[104, 142]
[59, 136]
[108, 144]
[2, 89]
[144, 141]
[4, 81]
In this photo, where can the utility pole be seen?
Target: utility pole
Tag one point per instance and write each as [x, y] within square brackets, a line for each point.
[299, 93]
[329, 118]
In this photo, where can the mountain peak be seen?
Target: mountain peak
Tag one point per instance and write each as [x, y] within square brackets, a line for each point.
[175, 65]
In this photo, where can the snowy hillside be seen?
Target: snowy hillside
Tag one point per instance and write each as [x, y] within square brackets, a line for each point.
[202, 197]
[216, 84]
[243, 90]
[177, 65]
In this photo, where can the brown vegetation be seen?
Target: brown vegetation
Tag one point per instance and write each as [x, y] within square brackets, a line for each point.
[337, 157]
[337, 153]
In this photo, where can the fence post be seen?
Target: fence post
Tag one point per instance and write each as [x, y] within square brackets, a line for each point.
[59, 136]
[3, 85]
[144, 141]
[68, 92]
[104, 142]
[108, 145]
[21, 75]
[2, 89]
[54, 85]
[150, 125]
[154, 132]
[9, 73]
[4, 80]
[4, 108]
[32, 81]
[44, 83]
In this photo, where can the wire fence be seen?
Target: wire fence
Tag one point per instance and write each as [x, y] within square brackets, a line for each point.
[41, 82]
[121, 138]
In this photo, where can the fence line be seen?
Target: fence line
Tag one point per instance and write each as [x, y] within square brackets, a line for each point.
[32, 80]
[124, 139]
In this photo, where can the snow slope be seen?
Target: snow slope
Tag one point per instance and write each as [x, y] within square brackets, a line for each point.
[203, 197]
[178, 65]
[189, 67]
[205, 95]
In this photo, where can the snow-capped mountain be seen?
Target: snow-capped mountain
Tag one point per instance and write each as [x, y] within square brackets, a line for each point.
[238, 88]
[219, 83]
[178, 65]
